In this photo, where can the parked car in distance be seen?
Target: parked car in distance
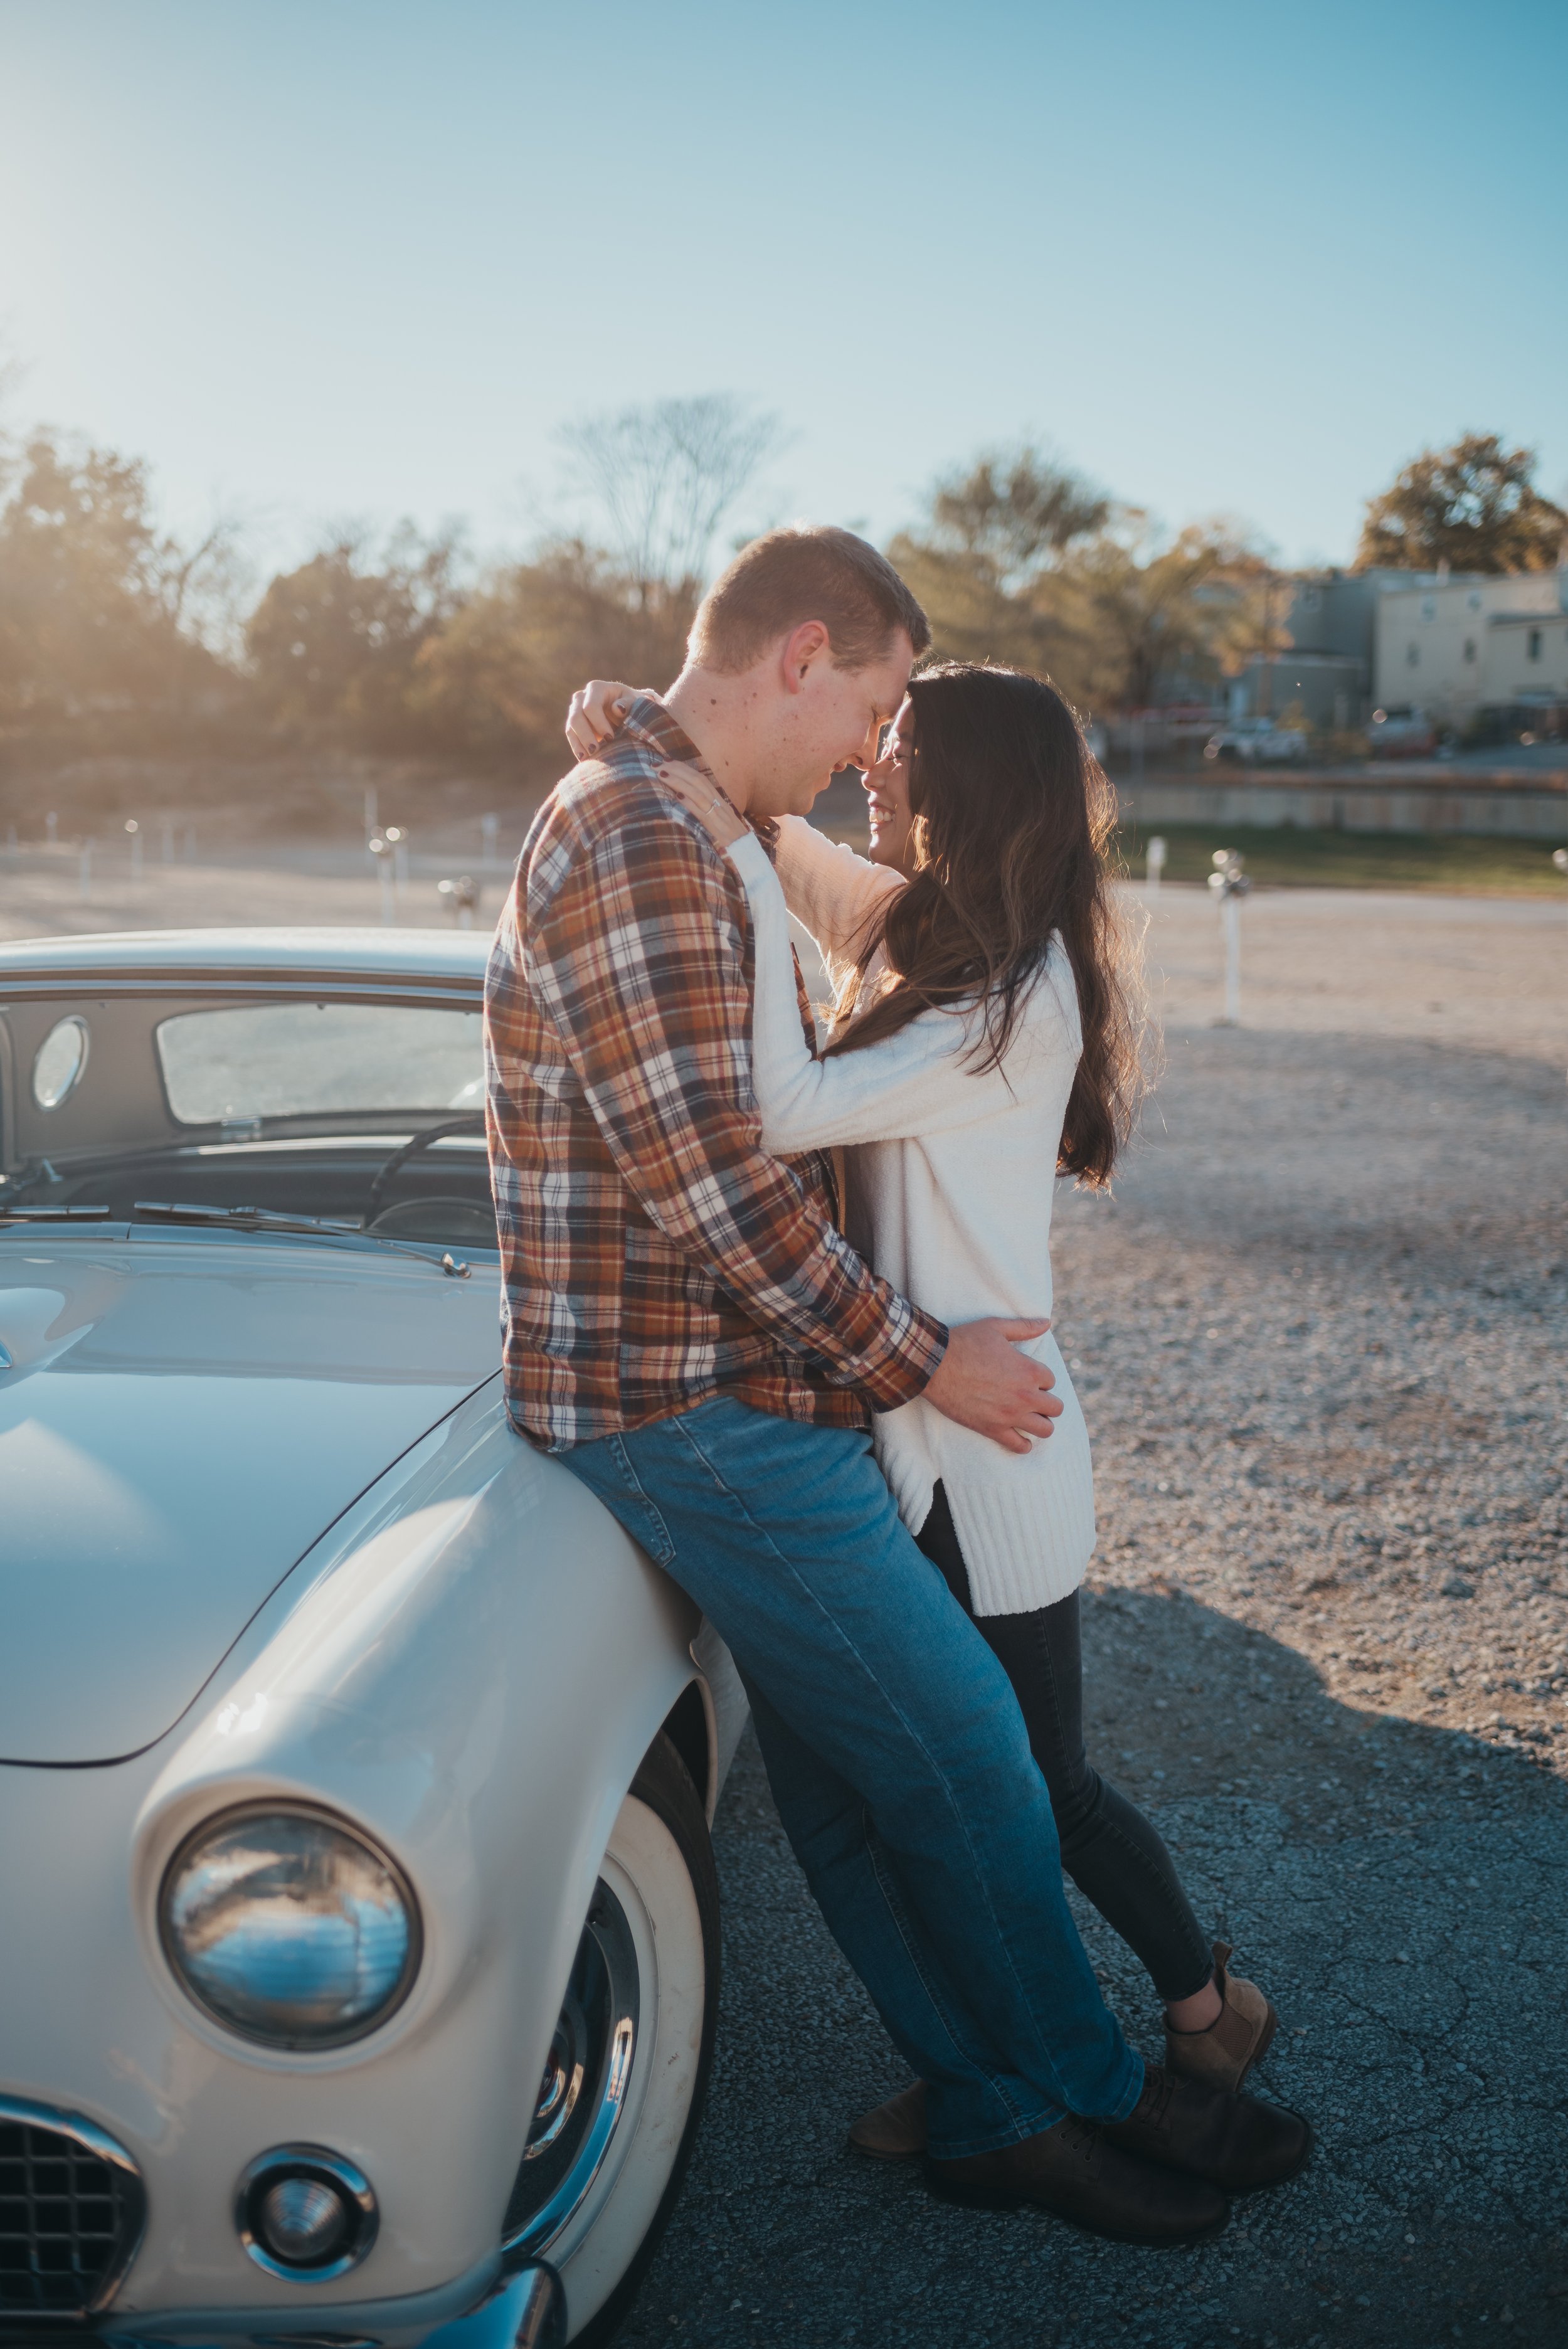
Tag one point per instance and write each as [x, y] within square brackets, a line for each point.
[360, 1930]
[1258, 743]
[1401, 734]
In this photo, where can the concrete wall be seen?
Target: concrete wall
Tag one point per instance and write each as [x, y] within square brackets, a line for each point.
[1527, 812]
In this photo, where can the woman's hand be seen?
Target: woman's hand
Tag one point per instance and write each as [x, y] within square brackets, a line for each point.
[697, 791]
[596, 710]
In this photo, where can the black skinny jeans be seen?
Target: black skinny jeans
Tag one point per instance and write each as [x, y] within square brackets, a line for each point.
[1110, 1850]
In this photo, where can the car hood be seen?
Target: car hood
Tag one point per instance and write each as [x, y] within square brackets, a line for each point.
[181, 1419]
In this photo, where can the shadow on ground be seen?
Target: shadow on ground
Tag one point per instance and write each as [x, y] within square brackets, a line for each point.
[1400, 1895]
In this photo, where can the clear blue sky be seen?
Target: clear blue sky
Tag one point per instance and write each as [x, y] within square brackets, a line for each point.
[361, 257]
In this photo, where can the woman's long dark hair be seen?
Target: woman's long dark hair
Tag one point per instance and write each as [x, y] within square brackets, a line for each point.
[1012, 815]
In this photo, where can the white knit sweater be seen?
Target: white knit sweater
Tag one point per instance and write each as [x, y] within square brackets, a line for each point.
[949, 1180]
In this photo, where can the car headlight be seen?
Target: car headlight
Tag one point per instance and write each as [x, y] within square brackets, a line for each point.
[288, 1926]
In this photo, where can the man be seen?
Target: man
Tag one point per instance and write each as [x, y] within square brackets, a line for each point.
[687, 1329]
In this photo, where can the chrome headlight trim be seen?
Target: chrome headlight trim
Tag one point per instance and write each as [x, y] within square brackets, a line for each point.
[225, 1822]
[333, 2169]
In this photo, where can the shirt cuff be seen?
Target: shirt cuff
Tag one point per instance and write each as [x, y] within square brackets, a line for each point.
[909, 1365]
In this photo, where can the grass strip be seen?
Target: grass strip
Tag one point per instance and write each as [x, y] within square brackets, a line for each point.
[1285, 858]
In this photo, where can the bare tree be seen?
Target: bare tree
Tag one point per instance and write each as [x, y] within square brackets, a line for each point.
[1015, 512]
[206, 587]
[666, 475]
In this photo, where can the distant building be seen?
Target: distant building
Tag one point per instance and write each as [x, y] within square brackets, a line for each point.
[1332, 621]
[1460, 648]
[1456, 647]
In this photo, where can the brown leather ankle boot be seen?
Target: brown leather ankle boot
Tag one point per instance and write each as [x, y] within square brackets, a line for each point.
[1240, 2035]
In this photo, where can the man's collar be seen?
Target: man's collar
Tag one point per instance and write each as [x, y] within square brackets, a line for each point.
[651, 723]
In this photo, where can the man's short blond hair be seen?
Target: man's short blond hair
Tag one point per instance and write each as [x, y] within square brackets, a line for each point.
[806, 574]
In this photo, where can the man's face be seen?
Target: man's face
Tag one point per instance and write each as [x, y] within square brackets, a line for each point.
[833, 719]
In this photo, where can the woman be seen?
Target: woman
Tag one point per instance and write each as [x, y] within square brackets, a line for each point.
[981, 1033]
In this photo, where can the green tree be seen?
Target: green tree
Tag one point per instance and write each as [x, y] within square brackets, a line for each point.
[331, 646]
[1015, 512]
[97, 604]
[1474, 507]
[986, 557]
[496, 678]
[1149, 615]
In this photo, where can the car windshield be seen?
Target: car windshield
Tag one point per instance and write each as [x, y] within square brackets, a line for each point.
[300, 1060]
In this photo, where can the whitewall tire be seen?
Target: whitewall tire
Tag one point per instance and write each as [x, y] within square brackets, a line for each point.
[630, 2066]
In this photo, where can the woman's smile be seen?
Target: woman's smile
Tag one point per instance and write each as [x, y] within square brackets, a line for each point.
[887, 792]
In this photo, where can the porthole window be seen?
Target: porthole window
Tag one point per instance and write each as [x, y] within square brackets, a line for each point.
[59, 1062]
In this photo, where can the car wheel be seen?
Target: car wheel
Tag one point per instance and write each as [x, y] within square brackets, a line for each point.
[623, 2092]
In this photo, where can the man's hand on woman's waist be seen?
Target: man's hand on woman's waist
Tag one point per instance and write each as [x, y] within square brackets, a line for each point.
[985, 1382]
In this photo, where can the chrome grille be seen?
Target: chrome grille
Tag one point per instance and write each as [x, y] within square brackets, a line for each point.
[71, 2210]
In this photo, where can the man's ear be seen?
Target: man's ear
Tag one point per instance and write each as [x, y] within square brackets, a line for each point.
[803, 648]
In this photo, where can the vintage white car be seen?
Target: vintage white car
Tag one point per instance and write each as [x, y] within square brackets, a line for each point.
[359, 1935]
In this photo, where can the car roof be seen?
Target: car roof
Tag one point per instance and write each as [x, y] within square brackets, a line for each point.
[450, 954]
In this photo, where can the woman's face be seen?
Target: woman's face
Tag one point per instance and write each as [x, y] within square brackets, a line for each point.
[887, 788]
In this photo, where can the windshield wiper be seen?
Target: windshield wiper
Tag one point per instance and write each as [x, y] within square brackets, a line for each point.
[269, 1219]
[266, 1219]
[54, 1215]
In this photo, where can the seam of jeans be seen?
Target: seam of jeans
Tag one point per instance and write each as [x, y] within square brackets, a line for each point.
[954, 1809]
[887, 1885]
[624, 1462]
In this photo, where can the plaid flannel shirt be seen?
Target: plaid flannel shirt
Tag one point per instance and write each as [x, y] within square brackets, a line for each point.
[653, 1254]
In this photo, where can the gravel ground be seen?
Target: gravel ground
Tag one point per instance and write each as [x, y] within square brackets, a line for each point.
[1321, 1331]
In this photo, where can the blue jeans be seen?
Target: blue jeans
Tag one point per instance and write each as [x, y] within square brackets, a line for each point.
[897, 1755]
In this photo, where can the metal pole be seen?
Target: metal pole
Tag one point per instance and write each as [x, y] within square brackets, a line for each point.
[380, 853]
[1230, 886]
[1231, 920]
[135, 831]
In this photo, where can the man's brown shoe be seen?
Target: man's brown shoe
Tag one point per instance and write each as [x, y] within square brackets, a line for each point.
[1240, 2036]
[1072, 2171]
[1236, 2142]
[895, 2131]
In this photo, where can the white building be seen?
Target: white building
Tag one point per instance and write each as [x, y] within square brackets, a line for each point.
[1450, 647]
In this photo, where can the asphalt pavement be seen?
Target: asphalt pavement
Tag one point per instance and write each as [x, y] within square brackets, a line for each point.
[1321, 1336]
